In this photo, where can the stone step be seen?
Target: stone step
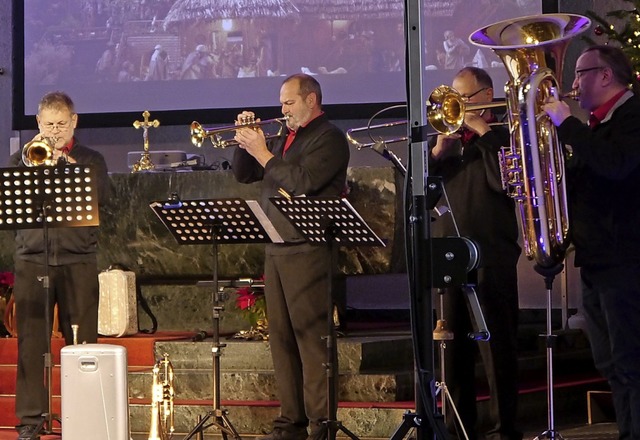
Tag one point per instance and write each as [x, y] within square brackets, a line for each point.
[356, 354]
[364, 421]
[261, 386]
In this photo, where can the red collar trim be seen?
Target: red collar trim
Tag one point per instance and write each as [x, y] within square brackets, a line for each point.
[68, 147]
[601, 112]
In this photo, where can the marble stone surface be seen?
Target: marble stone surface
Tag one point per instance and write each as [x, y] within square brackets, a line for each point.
[132, 235]
[372, 354]
[256, 420]
[375, 372]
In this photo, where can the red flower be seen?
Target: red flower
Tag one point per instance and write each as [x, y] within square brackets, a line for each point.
[6, 279]
[245, 298]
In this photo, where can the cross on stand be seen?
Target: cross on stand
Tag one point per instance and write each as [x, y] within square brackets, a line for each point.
[145, 163]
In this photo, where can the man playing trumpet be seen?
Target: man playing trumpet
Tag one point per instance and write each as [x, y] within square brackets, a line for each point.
[72, 267]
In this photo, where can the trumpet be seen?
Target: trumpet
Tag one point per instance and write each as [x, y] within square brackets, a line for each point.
[162, 400]
[38, 152]
[216, 135]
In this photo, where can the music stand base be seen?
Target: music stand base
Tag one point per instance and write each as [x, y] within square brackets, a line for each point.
[549, 435]
[221, 422]
[335, 426]
[45, 427]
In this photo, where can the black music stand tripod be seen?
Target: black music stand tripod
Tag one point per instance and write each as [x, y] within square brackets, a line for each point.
[214, 222]
[48, 197]
[329, 221]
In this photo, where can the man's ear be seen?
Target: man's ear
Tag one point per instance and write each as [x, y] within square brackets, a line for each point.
[311, 99]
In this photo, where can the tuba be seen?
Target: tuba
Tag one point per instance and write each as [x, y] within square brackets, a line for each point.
[532, 167]
[162, 400]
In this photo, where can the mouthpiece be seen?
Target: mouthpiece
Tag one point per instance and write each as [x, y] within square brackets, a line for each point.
[74, 329]
[573, 94]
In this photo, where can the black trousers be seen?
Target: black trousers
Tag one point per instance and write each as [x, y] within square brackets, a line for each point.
[74, 288]
[296, 288]
[497, 292]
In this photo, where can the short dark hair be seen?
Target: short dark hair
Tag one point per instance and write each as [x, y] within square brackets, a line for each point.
[56, 101]
[614, 58]
[308, 84]
[481, 75]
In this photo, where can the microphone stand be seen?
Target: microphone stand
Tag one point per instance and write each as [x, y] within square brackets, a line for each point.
[380, 147]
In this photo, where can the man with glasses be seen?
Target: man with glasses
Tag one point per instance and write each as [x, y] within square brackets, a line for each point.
[603, 175]
[480, 210]
[72, 269]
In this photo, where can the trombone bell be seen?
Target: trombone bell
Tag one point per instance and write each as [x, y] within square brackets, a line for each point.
[446, 109]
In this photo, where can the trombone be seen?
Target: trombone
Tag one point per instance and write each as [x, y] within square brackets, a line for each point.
[445, 112]
[217, 135]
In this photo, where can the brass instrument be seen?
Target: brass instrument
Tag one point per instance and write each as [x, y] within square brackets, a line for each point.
[162, 400]
[533, 166]
[216, 135]
[38, 152]
[446, 109]
[445, 112]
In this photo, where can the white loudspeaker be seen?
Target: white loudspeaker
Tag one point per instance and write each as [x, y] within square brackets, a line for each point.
[95, 395]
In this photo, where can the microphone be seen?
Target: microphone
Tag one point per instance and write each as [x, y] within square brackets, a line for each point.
[380, 147]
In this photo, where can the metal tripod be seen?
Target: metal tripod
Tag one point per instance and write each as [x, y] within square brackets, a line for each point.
[442, 333]
[217, 416]
[549, 274]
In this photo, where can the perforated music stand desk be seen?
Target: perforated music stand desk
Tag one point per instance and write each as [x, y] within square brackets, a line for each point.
[67, 193]
[325, 221]
[48, 197]
[213, 222]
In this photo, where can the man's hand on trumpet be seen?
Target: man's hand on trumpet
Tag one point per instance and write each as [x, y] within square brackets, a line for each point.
[252, 139]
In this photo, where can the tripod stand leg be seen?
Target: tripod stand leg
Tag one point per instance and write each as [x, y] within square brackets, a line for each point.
[221, 422]
[409, 421]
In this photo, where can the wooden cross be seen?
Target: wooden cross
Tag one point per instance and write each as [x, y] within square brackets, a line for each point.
[145, 161]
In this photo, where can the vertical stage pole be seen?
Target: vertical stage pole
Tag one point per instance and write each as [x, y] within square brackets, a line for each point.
[429, 423]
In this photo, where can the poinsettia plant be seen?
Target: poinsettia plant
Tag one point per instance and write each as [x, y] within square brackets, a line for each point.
[6, 287]
[251, 301]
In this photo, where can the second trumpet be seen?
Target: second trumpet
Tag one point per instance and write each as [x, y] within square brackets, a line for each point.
[222, 137]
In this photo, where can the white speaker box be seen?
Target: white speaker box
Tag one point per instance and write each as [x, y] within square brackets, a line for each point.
[95, 395]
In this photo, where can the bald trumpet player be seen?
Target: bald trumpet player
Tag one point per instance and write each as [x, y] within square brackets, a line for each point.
[467, 161]
[71, 266]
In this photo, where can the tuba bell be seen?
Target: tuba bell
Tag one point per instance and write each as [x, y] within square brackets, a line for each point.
[532, 167]
[162, 400]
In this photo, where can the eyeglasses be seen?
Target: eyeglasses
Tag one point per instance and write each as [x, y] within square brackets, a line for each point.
[466, 98]
[580, 72]
[61, 126]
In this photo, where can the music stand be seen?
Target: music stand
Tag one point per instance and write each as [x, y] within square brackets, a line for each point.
[214, 222]
[48, 197]
[328, 221]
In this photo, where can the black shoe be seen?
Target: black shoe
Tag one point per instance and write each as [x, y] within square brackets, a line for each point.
[318, 433]
[28, 432]
[283, 434]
